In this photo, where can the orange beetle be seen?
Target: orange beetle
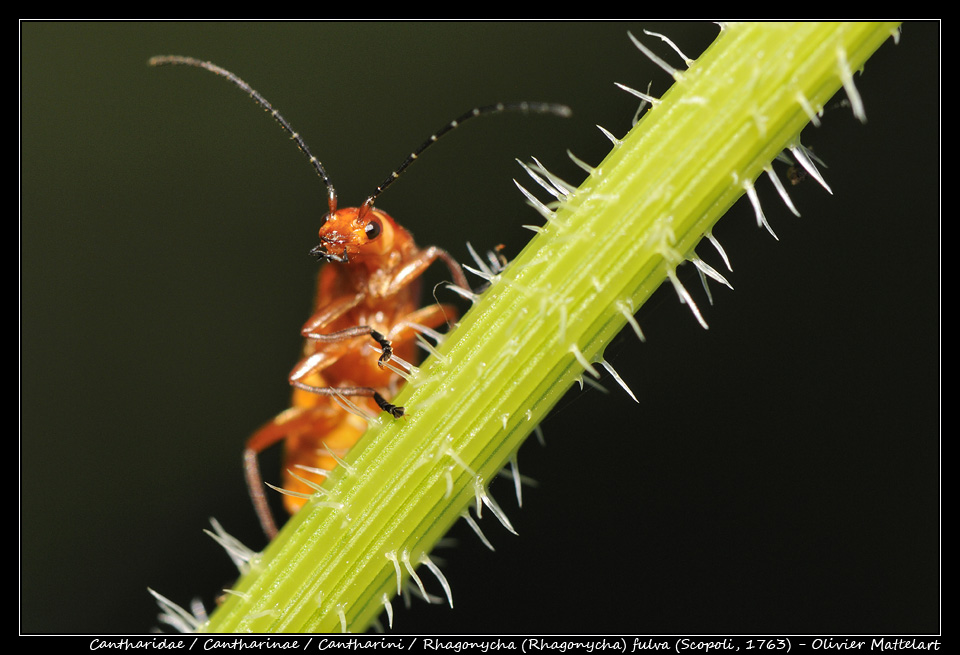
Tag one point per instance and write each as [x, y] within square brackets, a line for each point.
[370, 289]
[367, 293]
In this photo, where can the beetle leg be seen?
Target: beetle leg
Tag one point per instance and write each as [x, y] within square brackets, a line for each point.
[366, 392]
[313, 328]
[331, 312]
[349, 333]
[317, 362]
[421, 262]
[274, 431]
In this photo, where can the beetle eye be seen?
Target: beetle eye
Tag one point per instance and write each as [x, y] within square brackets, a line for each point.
[372, 229]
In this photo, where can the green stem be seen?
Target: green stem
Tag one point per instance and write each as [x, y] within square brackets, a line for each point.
[549, 315]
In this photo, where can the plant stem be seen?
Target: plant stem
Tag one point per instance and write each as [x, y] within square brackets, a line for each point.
[544, 322]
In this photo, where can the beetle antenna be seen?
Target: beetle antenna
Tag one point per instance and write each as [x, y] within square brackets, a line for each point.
[499, 108]
[168, 60]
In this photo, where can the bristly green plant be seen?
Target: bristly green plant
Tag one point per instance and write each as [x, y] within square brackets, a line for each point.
[543, 323]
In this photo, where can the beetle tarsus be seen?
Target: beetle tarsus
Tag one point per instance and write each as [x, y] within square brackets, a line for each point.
[394, 410]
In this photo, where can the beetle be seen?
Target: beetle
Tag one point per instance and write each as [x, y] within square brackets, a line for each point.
[368, 292]
[368, 289]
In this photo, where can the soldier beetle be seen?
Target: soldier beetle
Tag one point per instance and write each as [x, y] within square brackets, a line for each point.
[368, 293]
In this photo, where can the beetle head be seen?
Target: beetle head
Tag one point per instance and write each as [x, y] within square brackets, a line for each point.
[355, 233]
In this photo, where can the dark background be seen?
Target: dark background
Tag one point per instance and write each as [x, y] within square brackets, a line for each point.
[781, 472]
